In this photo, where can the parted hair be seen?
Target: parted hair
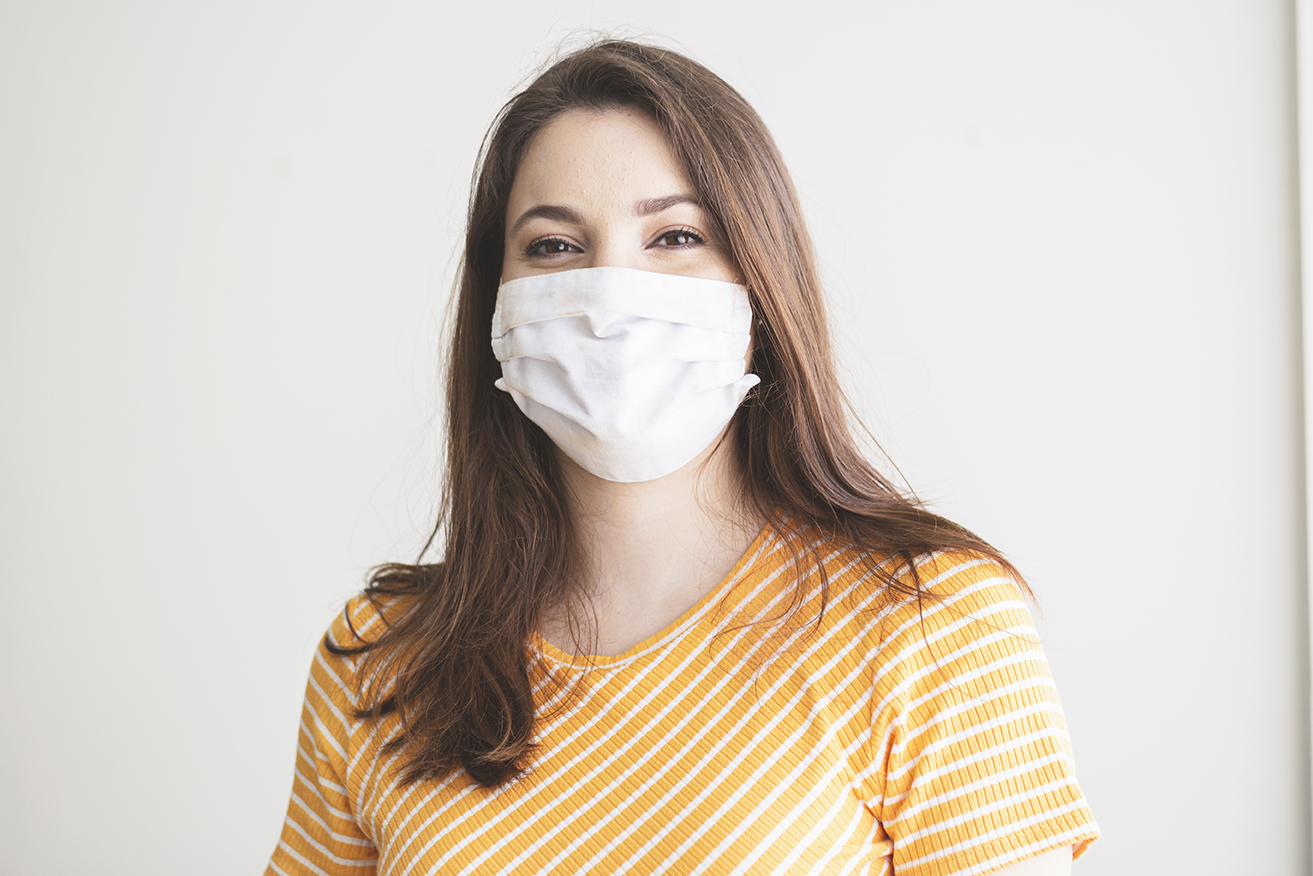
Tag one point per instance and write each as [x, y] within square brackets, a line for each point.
[454, 665]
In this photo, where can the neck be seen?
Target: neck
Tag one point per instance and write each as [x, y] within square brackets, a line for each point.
[651, 550]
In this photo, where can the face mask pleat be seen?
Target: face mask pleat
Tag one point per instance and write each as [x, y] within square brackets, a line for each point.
[609, 293]
[631, 373]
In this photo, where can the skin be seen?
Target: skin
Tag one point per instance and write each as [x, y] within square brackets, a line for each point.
[603, 189]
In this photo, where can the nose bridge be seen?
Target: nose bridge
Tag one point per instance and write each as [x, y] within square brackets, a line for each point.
[615, 244]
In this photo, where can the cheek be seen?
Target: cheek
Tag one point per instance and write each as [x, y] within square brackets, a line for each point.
[507, 264]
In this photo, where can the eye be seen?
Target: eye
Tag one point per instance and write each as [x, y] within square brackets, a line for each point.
[679, 238]
[550, 246]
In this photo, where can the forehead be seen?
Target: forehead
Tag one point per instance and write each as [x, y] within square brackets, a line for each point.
[598, 157]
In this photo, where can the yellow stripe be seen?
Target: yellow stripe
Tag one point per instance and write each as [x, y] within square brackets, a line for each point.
[882, 740]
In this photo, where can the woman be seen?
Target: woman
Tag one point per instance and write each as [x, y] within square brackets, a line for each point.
[681, 624]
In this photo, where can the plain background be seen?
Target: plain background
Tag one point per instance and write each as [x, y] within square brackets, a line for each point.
[1059, 242]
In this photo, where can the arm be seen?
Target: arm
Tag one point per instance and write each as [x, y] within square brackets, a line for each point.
[320, 833]
[973, 760]
[1054, 863]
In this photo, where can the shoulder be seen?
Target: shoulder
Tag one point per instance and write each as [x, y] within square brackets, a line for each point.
[959, 608]
[941, 585]
[964, 658]
[895, 605]
[955, 581]
[945, 616]
[350, 638]
[971, 751]
[845, 561]
[363, 620]
[957, 584]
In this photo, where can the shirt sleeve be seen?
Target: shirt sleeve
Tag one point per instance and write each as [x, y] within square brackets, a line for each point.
[977, 770]
[320, 833]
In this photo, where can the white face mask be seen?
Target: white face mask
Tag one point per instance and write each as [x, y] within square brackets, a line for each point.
[632, 373]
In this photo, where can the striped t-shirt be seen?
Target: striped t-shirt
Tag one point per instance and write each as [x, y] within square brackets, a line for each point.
[885, 738]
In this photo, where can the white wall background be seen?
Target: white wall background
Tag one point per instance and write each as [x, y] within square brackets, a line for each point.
[1060, 243]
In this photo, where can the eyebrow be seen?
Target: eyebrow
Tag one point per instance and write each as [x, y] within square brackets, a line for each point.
[548, 211]
[656, 205]
[561, 213]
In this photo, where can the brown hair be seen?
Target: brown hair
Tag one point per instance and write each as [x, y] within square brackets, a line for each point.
[454, 665]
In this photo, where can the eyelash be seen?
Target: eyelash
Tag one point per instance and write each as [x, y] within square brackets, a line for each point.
[537, 247]
[685, 232]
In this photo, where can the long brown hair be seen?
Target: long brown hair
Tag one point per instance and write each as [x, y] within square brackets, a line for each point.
[455, 664]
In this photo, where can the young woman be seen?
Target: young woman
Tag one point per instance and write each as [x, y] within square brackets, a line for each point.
[680, 623]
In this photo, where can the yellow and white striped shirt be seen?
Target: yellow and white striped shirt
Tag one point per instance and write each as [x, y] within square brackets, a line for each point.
[880, 740]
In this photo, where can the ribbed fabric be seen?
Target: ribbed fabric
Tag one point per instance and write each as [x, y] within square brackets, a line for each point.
[883, 739]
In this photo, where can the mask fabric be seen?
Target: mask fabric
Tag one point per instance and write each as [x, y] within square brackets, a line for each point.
[631, 373]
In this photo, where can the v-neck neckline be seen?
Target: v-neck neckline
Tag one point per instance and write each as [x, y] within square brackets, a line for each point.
[676, 629]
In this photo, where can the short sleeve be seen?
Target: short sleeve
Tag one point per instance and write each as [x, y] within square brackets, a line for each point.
[320, 834]
[977, 770]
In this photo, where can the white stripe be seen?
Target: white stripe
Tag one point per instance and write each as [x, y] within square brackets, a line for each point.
[348, 691]
[970, 647]
[666, 708]
[981, 839]
[315, 732]
[1048, 844]
[368, 745]
[778, 790]
[917, 643]
[369, 782]
[945, 741]
[375, 612]
[980, 615]
[1026, 795]
[320, 781]
[323, 850]
[322, 727]
[876, 758]
[798, 811]
[864, 855]
[890, 664]
[332, 786]
[971, 757]
[900, 717]
[1004, 692]
[319, 820]
[299, 857]
[1024, 631]
[866, 867]
[396, 780]
[992, 666]
[542, 784]
[634, 737]
[773, 541]
[418, 832]
[580, 704]
[690, 713]
[811, 838]
[437, 787]
[750, 745]
[314, 786]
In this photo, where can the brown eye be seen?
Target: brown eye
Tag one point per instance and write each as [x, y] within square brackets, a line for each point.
[550, 246]
[681, 237]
